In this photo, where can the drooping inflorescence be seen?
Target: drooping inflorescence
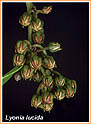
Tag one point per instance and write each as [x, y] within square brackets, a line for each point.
[37, 65]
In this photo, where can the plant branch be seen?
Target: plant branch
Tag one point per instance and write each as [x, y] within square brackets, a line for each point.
[42, 49]
[29, 6]
[57, 73]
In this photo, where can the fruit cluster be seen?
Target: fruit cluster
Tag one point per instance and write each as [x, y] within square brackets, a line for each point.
[39, 66]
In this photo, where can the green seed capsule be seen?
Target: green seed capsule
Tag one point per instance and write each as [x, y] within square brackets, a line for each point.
[49, 62]
[59, 94]
[47, 103]
[47, 98]
[46, 107]
[37, 76]
[27, 72]
[60, 81]
[35, 62]
[48, 82]
[18, 60]
[70, 88]
[25, 19]
[36, 101]
[38, 37]
[37, 25]
[54, 47]
[21, 47]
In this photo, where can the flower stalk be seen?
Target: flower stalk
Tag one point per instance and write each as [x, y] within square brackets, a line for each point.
[29, 10]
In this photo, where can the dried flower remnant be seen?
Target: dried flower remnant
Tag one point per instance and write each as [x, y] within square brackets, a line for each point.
[47, 10]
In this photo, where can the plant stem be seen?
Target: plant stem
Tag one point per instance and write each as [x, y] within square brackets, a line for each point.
[39, 11]
[42, 70]
[57, 73]
[42, 49]
[29, 9]
[30, 33]
[29, 6]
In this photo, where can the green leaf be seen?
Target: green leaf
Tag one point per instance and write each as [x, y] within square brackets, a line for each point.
[7, 76]
[4, 80]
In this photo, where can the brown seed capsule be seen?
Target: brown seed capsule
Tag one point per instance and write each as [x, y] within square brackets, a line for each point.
[46, 10]
[17, 76]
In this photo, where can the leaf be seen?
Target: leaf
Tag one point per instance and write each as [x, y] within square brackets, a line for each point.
[4, 80]
[7, 76]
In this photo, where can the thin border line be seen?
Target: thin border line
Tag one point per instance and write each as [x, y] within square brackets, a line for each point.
[89, 63]
[1, 61]
[46, 1]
